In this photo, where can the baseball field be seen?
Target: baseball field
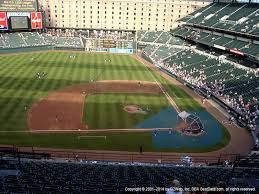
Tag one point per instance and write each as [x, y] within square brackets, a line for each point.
[78, 100]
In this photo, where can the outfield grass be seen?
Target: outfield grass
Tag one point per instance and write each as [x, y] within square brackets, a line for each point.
[108, 108]
[20, 87]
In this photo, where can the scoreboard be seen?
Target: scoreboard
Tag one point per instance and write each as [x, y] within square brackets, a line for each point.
[20, 15]
[19, 5]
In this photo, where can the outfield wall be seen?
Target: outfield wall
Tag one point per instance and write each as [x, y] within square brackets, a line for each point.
[26, 49]
[37, 48]
[61, 48]
[69, 48]
[121, 51]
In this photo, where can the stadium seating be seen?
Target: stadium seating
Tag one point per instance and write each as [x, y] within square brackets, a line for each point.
[159, 37]
[163, 52]
[49, 39]
[150, 36]
[2, 45]
[209, 38]
[199, 69]
[186, 18]
[13, 40]
[228, 16]
[27, 39]
[180, 31]
[149, 49]
[140, 34]
[164, 37]
[222, 41]
[104, 178]
[176, 41]
[33, 39]
[238, 44]
[252, 161]
[69, 42]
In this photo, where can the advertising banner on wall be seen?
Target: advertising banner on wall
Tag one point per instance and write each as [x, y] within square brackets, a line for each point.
[117, 50]
[36, 20]
[237, 52]
[3, 21]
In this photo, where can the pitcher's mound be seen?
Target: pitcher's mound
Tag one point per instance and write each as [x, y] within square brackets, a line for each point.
[134, 109]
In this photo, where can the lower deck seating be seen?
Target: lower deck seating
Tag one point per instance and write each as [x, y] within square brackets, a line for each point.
[13, 40]
[51, 177]
[222, 40]
[95, 178]
[222, 78]
[28, 39]
[33, 39]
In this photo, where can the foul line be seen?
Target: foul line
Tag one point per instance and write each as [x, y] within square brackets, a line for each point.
[169, 98]
[84, 131]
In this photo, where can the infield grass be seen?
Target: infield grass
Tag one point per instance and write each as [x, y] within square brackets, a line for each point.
[109, 109]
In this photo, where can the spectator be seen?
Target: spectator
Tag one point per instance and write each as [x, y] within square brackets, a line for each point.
[175, 188]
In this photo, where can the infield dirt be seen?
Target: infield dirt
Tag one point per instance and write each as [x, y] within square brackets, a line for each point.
[63, 109]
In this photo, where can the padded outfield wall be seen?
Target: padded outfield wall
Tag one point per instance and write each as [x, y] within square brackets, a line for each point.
[26, 49]
[46, 48]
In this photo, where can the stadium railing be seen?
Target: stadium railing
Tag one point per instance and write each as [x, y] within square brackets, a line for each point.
[114, 156]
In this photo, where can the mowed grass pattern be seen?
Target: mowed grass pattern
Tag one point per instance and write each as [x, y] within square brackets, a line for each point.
[107, 110]
[20, 88]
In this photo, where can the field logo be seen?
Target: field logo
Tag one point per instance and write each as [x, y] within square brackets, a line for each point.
[36, 20]
[3, 21]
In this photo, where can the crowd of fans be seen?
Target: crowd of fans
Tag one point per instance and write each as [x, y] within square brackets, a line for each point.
[96, 34]
[69, 38]
[112, 35]
[63, 33]
[248, 109]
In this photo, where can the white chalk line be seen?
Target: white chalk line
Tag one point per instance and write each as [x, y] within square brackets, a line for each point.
[164, 92]
[84, 131]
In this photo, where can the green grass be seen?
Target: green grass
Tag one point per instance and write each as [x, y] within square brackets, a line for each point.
[183, 100]
[20, 88]
[109, 109]
[119, 141]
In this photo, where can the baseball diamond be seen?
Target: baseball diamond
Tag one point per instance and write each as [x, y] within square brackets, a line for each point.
[129, 96]
[87, 94]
